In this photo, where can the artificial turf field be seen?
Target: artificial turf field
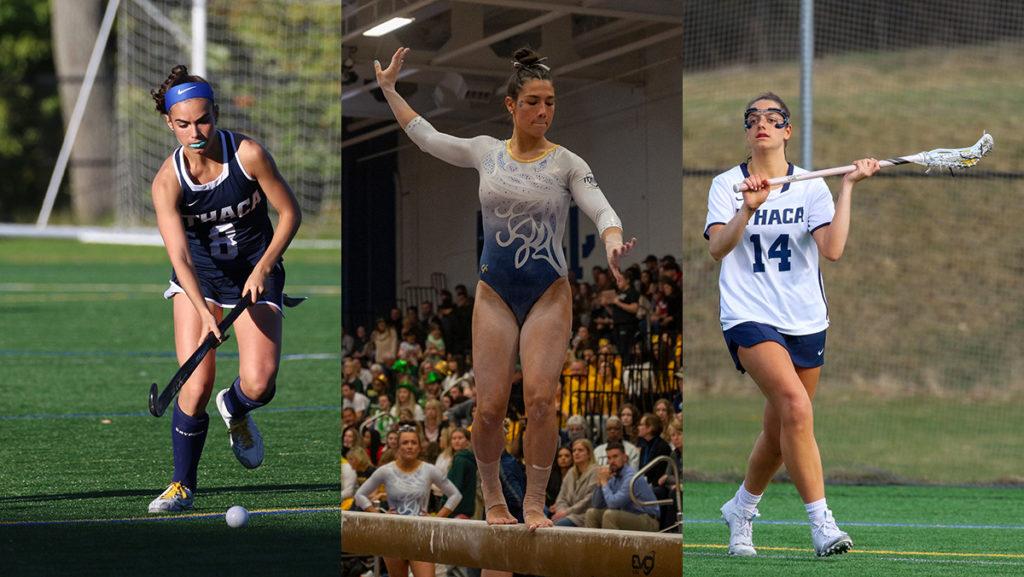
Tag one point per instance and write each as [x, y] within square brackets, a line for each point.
[897, 531]
[83, 333]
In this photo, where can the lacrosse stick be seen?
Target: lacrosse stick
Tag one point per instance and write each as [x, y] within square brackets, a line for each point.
[951, 158]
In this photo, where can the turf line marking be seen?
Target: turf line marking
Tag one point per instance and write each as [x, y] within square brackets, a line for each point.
[158, 518]
[895, 559]
[57, 416]
[860, 551]
[868, 524]
[329, 290]
[155, 354]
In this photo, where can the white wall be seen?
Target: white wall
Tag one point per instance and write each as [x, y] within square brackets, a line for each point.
[630, 136]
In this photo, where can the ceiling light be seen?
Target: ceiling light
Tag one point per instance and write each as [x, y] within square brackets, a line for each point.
[386, 27]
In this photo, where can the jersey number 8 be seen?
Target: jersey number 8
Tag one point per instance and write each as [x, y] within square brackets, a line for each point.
[779, 249]
[222, 242]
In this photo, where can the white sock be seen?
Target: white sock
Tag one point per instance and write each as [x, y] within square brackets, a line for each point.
[816, 510]
[746, 500]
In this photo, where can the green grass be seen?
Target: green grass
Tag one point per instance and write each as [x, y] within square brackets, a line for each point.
[945, 531]
[85, 331]
[866, 438]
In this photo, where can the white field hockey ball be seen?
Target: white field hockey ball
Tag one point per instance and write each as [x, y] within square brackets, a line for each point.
[237, 517]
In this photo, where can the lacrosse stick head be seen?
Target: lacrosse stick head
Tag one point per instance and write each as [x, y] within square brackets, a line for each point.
[958, 158]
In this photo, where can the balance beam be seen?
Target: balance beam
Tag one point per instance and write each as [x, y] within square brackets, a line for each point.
[549, 552]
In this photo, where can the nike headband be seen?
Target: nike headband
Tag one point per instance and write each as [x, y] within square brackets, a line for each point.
[185, 91]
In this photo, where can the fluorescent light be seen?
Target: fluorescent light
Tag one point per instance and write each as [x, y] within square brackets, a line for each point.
[386, 27]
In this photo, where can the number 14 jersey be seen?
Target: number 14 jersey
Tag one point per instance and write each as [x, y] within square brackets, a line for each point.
[772, 276]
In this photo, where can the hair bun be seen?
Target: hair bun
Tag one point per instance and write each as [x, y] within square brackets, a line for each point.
[526, 57]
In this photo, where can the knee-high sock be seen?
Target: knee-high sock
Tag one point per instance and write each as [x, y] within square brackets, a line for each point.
[188, 436]
[239, 405]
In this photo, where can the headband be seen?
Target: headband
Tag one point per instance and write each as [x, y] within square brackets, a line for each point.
[176, 94]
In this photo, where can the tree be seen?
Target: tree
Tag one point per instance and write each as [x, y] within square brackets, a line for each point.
[30, 122]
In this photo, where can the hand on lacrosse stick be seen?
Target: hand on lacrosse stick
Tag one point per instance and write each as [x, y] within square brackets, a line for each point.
[756, 191]
[866, 168]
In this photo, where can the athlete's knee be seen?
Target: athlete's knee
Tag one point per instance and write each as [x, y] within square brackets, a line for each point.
[490, 414]
[259, 385]
[540, 405]
[796, 413]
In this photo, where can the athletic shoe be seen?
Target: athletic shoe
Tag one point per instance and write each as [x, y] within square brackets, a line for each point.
[828, 538]
[246, 441]
[741, 529]
[176, 497]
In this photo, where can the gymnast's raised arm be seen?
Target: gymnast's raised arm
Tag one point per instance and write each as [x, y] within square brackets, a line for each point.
[457, 151]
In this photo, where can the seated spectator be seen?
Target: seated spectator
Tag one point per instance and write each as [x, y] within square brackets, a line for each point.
[582, 341]
[409, 349]
[433, 424]
[351, 442]
[667, 483]
[352, 399]
[348, 417]
[435, 350]
[563, 463]
[361, 465]
[615, 433]
[576, 428]
[390, 447]
[630, 416]
[351, 371]
[372, 443]
[651, 446]
[577, 488]
[611, 505]
[665, 413]
[406, 399]
[381, 418]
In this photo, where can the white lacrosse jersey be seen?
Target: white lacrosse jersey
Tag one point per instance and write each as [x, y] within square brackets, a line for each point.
[772, 275]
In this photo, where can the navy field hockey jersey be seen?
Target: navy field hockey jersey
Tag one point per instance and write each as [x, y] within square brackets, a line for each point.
[226, 221]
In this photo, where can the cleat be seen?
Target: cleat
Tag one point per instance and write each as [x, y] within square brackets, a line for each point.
[741, 529]
[176, 497]
[245, 438]
[828, 538]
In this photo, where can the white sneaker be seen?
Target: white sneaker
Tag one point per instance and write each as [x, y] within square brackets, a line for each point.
[176, 497]
[828, 538]
[741, 529]
[246, 441]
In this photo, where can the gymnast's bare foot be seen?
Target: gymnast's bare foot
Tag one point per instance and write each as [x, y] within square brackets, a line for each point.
[535, 519]
[498, 514]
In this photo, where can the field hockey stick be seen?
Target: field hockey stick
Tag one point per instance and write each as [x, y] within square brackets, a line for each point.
[951, 158]
[158, 402]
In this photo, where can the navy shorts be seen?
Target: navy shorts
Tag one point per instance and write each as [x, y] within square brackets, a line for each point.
[806, 351]
[225, 289]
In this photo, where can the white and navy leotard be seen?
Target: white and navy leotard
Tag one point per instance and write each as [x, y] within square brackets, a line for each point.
[525, 206]
[772, 275]
[227, 228]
